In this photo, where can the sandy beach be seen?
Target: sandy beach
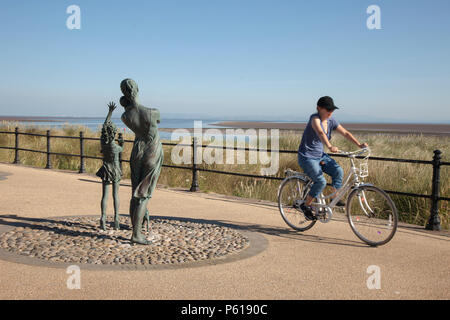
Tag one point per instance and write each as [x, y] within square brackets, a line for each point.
[439, 129]
[403, 128]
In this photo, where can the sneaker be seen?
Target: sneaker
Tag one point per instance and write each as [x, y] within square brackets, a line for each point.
[307, 211]
[340, 203]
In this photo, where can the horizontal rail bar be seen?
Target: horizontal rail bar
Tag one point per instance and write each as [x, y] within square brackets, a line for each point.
[240, 174]
[245, 149]
[64, 137]
[93, 157]
[164, 165]
[333, 155]
[163, 143]
[176, 144]
[94, 139]
[32, 134]
[30, 150]
[64, 154]
[415, 195]
[176, 167]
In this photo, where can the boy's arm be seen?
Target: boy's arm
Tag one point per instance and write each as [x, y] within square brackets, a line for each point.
[322, 136]
[350, 137]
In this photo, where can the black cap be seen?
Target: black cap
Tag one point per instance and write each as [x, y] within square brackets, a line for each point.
[327, 103]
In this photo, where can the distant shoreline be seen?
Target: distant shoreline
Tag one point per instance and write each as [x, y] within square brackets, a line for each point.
[402, 128]
[44, 119]
[413, 128]
[30, 119]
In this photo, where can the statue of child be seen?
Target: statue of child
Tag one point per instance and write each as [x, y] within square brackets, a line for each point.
[110, 172]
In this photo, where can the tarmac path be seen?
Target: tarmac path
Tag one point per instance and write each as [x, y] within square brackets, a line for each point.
[326, 262]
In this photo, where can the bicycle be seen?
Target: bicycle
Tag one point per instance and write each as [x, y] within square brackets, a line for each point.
[370, 211]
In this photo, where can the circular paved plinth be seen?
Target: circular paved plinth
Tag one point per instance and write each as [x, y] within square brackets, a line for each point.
[59, 242]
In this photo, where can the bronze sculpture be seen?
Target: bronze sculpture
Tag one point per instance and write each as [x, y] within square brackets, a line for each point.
[146, 156]
[110, 172]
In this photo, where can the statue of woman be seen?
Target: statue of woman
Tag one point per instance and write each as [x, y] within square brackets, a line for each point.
[146, 156]
[110, 171]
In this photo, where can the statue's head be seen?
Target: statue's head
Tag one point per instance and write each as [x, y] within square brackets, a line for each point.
[129, 88]
[109, 131]
[130, 92]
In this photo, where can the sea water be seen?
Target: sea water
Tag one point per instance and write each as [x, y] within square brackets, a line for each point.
[95, 124]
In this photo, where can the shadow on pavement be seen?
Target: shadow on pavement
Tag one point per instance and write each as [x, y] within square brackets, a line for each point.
[272, 231]
[3, 175]
[58, 226]
[36, 224]
[286, 233]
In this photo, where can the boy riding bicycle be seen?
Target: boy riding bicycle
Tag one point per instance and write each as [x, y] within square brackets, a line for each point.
[312, 158]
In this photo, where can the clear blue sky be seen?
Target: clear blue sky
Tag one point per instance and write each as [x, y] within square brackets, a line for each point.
[246, 59]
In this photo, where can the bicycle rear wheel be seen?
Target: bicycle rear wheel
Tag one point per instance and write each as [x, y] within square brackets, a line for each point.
[372, 215]
[293, 192]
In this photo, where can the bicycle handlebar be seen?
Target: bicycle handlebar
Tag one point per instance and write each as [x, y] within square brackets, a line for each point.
[355, 153]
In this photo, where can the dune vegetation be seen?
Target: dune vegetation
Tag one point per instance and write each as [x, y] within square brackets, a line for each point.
[392, 176]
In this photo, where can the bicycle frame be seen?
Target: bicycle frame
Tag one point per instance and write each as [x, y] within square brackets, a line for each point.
[351, 181]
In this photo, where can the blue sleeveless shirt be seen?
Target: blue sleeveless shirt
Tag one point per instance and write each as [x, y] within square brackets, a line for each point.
[311, 146]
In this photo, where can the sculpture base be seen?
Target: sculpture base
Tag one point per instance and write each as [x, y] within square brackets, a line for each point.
[80, 241]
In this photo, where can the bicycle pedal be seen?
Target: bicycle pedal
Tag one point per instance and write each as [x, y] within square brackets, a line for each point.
[320, 215]
[297, 204]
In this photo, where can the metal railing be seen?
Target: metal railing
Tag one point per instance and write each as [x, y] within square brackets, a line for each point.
[436, 162]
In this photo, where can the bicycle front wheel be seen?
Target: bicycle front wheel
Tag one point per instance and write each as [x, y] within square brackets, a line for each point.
[291, 194]
[372, 215]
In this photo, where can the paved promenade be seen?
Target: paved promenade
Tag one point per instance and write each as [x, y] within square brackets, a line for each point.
[326, 262]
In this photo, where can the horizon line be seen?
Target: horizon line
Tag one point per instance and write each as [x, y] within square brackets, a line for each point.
[50, 118]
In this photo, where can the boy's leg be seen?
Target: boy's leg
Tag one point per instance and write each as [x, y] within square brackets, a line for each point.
[332, 168]
[312, 168]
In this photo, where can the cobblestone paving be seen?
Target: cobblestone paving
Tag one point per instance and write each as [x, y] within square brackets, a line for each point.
[80, 240]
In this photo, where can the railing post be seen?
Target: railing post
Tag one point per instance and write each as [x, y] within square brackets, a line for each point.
[49, 165]
[82, 169]
[434, 223]
[194, 186]
[16, 147]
